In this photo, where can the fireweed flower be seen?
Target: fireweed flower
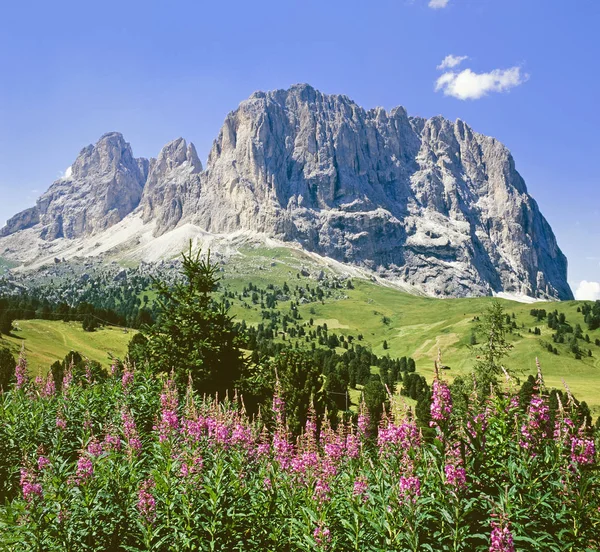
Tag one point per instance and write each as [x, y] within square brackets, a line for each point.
[85, 469]
[322, 491]
[441, 403]
[398, 438]
[126, 378]
[583, 451]
[88, 373]
[67, 378]
[49, 389]
[455, 476]
[352, 445]
[146, 504]
[112, 442]
[130, 432]
[43, 463]
[29, 485]
[410, 489]
[322, 535]
[95, 448]
[360, 489]
[535, 429]
[363, 420]
[501, 539]
[21, 371]
[169, 422]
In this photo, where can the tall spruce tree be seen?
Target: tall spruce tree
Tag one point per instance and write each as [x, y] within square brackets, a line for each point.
[194, 334]
[493, 347]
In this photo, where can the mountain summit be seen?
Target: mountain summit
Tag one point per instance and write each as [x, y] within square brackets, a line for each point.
[425, 202]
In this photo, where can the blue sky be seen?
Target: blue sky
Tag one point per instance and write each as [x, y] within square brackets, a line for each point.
[156, 70]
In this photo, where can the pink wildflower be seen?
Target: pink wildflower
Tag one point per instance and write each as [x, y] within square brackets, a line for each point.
[126, 378]
[43, 463]
[455, 476]
[360, 489]
[322, 535]
[85, 469]
[169, 421]
[410, 489]
[49, 389]
[146, 502]
[30, 487]
[21, 371]
[501, 539]
[441, 403]
[583, 451]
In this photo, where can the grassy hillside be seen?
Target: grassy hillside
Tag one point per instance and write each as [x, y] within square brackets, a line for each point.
[46, 341]
[417, 326]
[411, 325]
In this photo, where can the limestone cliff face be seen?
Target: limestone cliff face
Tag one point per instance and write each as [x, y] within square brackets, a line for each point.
[174, 174]
[103, 185]
[428, 202]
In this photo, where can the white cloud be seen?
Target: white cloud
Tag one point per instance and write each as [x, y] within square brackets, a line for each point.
[451, 61]
[588, 291]
[67, 174]
[438, 4]
[468, 85]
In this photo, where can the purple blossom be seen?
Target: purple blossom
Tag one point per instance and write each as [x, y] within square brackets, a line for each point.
[583, 451]
[85, 469]
[456, 476]
[61, 423]
[322, 491]
[67, 379]
[322, 535]
[21, 371]
[410, 489]
[146, 504]
[49, 389]
[360, 489]
[126, 378]
[43, 463]
[536, 427]
[501, 539]
[352, 446]
[112, 442]
[95, 448]
[169, 421]
[363, 420]
[441, 403]
[392, 437]
[29, 485]
[130, 431]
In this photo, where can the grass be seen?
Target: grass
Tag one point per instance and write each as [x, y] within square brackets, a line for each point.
[47, 341]
[412, 325]
[418, 326]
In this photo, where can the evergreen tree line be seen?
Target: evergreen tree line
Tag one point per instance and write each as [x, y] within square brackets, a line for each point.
[29, 307]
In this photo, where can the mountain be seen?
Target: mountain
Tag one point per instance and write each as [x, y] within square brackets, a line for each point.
[424, 202]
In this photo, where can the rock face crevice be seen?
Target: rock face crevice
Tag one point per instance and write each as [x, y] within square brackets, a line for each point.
[428, 202]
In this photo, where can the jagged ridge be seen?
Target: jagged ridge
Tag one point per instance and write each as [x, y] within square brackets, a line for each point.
[427, 202]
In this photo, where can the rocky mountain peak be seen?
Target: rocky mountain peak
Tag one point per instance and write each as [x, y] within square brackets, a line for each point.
[172, 177]
[425, 202]
[108, 155]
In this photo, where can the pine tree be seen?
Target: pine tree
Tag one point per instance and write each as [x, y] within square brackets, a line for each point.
[493, 348]
[194, 334]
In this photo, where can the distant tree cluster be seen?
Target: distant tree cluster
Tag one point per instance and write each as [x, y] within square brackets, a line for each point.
[29, 307]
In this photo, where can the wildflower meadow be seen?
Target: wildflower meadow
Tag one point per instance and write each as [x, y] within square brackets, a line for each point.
[134, 463]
